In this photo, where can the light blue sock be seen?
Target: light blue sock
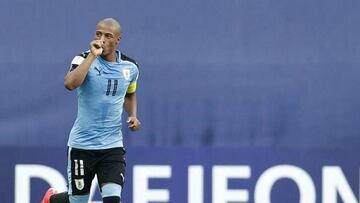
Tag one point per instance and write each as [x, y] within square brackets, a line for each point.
[110, 190]
[79, 198]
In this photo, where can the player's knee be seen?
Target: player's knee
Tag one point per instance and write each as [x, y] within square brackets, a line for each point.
[79, 198]
[111, 191]
[113, 199]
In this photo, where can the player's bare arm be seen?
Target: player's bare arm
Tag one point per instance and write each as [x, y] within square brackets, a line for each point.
[76, 77]
[130, 105]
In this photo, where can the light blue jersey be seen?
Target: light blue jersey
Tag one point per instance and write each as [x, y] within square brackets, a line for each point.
[100, 102]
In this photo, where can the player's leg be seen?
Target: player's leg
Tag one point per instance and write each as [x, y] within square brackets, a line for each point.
[113, 199]
[81, 172]
[60, 198]
[110, 173]
[52, 196]
[111, 192]
[49, 193]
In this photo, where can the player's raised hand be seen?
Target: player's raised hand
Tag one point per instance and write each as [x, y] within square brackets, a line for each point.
[96, 47]
[133, 123]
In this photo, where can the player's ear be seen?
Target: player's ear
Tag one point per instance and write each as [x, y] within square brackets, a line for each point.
[118, 39]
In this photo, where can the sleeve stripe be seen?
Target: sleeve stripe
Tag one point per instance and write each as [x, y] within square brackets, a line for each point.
[73, 66]
[85, 54]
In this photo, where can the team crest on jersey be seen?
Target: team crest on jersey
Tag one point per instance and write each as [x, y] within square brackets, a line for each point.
[79, 183]
[126, 73]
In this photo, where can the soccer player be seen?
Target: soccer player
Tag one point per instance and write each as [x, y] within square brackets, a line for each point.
[105, 80]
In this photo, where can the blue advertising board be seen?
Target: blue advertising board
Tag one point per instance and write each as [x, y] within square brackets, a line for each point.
[204, 175]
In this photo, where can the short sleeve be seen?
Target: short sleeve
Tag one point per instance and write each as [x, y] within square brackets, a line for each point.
[77, 60]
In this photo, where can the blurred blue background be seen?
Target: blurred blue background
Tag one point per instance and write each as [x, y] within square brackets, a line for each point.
[232, 81]
[233, 73]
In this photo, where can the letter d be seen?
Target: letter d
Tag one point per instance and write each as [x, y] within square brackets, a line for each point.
[23, 173]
